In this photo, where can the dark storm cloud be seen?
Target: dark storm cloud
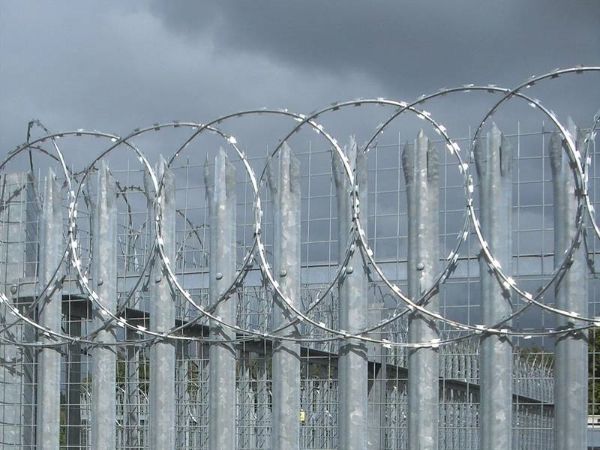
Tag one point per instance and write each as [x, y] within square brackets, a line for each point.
[119, 65]
[405, 45]
[115, 67]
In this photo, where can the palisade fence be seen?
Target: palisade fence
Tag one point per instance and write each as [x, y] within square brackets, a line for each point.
[434, 294]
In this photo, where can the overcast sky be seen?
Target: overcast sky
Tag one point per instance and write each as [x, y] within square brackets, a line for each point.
[115, 65]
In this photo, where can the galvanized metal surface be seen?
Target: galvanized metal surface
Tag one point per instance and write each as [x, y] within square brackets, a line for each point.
[352, 361]
[494, 168]
[50, 312]
[571, 380]
[104, 358]
[220, 185]
[162, 319]
[420, 163]
[286, 355]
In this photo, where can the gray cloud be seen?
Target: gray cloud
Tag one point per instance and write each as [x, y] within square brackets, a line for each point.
[116, 66]
[405, 45]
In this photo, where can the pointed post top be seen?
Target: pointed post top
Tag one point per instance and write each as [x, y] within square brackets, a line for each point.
[162, 165]
[51, 174]
[52, 198]
[351, 151]
[559, 158]
[106, 186]
[421, 155]
[289, 171]
[285, 150]
[495, 130]
[165, 176]
[222, 155]
[572, 127]
[284, 164]
[556, 151]
[219, 179]
[103, 172]
[493, 155]
[576, 133]
[360, 171]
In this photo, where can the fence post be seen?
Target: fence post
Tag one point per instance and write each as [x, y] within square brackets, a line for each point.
[222, 355]
[571, 376]
[162, 318]
[352, 361]
[493, 162]
[104, 270]
[420, 163]
[286, 354]
[50, 311]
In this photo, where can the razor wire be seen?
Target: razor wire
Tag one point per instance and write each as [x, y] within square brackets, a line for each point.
[579, 161]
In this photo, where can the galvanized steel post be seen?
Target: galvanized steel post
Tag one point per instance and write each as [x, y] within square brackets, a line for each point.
[494, 162]
[104, 270]
[50, 314]
[286, 354]
[352, 361]
[221, 195]
[162, 318]
[571, 376]
[420, 163]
